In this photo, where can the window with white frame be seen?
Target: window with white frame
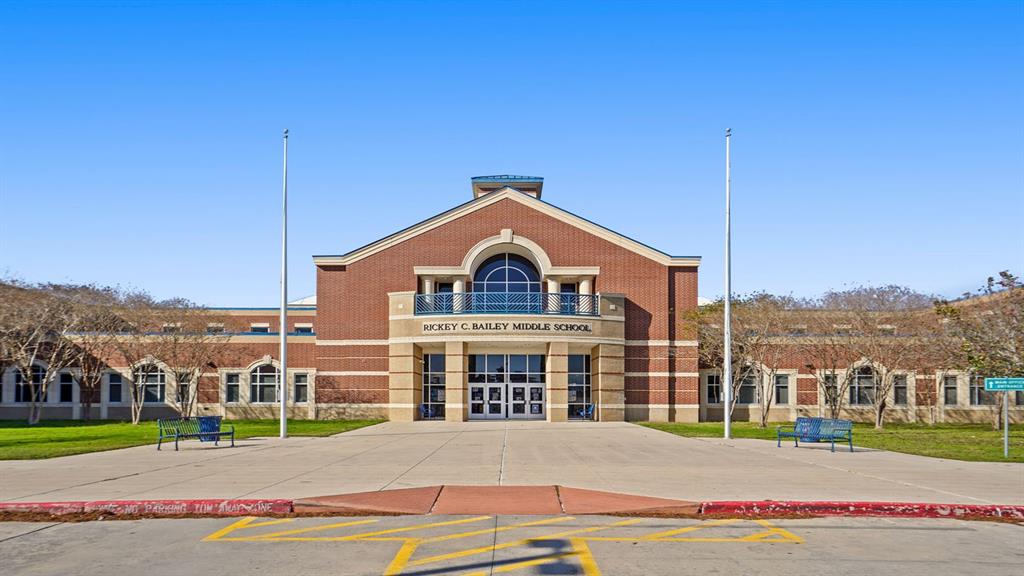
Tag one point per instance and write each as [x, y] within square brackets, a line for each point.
[304, 328]
[114, 388]
[263, 382]
[862, 387]
[980, 396]
[214, 328]
[782, 388]
[29, 391]
[433, 387]
[66, 389]
[184, 380]
[231, 383]
[714, 388]
[748, 389]
[949, 390]
[153, 381]
[301, 382]
[831, 389]
[259, 328]
[899, 389]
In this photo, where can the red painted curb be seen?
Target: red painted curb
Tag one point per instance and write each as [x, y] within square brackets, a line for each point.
[892, 509]
[210, 507]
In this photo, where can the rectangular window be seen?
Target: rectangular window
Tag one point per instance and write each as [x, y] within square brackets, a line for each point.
[1018, 396]
[67, 382]
[231, 387]
[782, 388]
[114, 388]
[259, 328]
[748, 390]
[581, 402]
[301, 388]
[949, 390]
[899, 389]
[183, 392]
[831, 389]
[714, 386]
[980, 396]
[432, 407]
[303, 328]
[214, 328]
[862, 388]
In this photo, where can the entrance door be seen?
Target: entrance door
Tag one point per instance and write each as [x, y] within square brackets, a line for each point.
[495, 401]
[506, 386]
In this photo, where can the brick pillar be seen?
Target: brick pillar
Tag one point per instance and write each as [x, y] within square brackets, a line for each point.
[456, 378]
[405, 382]
[607, 365]
[558, 382]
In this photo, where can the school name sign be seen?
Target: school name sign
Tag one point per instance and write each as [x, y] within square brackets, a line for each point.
[518, 327]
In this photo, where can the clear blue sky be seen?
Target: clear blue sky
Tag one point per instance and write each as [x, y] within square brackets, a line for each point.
[873, 142]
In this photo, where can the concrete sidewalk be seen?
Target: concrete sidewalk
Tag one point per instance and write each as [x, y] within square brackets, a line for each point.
[616, 457]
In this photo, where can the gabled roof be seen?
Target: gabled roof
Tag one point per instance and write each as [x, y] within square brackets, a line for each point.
[493, 198]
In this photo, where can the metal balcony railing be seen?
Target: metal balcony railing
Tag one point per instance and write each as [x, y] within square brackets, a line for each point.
[508, 303]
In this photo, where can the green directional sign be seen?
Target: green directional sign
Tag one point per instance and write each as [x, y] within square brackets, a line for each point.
[1004, 384]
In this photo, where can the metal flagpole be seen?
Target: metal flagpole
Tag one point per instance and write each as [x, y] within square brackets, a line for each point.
[283, 327]
[726, 383]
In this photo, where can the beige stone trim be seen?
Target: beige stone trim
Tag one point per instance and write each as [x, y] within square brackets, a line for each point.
[518, 317]
[504, 338]
[492, 198]
[667, 374]
[356, 373]
[351, 342]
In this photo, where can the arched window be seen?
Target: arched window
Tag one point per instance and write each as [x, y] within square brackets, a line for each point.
[263, 382]
[862, 387]
[152, 379]
[506, 273]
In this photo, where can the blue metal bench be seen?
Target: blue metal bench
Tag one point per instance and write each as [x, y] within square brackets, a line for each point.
[817, 429]
[429, 412]
[586, 413]
[205, 428]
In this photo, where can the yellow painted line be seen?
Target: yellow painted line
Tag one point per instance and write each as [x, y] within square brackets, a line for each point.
[271, 522]
[691, 528]
[524, 541]
[289, 535]
[402, 557]
[498, 529]
[586, 558]
[773, 534]
[315, 528]
[230, 528]
[525, 564]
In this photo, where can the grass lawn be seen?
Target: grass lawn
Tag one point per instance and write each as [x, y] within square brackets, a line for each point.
[977, 442]
[49, 438]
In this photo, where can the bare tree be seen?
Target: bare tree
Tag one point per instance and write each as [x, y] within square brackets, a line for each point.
[36, 339]
[134, 344]
[189, 349]
[828, 352]
[989, 330]
[891, 329]
[758, 322]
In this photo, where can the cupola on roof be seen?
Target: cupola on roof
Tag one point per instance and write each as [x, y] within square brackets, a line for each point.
[530, 185]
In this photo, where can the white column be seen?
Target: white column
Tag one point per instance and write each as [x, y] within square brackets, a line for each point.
[552, 299]
[428, 284]
[459, 298]
[586, 305]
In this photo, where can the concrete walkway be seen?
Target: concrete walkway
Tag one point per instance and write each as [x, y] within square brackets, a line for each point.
[616, 457]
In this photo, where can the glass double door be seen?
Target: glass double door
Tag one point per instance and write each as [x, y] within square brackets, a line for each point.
[506, 386]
